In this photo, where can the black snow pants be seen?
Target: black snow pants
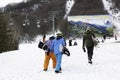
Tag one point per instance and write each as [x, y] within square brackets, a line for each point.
[90, 52]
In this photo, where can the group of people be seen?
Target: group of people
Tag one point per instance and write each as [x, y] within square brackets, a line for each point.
[54, 51]
[55, 47]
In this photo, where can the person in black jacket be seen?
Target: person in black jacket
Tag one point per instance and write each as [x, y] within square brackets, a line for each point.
[89, 44]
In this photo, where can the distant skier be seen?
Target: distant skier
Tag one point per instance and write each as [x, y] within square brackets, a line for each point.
[75, 43]
[88, 42]
[104, 37]
[70, 42]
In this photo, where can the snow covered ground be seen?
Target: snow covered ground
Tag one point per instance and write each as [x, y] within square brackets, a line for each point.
[27, 63]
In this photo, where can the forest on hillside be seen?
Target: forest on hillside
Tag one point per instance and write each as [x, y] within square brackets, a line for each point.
[39, 14]
[43, 11]
[37, 17]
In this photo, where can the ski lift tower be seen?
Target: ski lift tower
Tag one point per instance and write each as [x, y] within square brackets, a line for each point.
[53, 14]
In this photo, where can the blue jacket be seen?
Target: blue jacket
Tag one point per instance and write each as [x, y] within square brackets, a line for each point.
[57, 45]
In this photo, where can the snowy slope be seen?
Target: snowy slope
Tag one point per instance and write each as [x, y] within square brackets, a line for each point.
[27, 63]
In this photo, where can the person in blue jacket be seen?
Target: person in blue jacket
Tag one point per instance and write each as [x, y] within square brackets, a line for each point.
[57, 46]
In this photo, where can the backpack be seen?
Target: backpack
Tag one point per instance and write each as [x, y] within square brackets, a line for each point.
[95, 41]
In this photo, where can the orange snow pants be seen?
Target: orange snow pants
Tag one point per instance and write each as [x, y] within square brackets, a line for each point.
[47, 59]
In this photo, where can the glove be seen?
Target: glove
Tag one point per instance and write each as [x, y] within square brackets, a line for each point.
[47, 51]
[84, 49]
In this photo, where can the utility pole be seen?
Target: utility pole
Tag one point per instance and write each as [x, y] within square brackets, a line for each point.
[53, 25]
[53, 14]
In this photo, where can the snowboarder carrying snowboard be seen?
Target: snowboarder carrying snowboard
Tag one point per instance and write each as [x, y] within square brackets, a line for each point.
[57, 46]
[49, 55]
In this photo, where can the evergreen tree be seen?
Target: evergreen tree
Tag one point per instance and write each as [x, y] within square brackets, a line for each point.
[3, 34]
[8, 39]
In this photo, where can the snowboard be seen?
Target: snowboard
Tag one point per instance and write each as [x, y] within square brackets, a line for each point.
[42, 45]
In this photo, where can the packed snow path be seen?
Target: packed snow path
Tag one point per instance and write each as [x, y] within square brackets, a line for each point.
[27, 63]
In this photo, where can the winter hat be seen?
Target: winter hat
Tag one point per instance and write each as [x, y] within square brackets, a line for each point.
[59, 33]
[88, 29]
[52, 37]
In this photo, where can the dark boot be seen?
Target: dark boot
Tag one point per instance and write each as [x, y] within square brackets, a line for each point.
[57, 71]
[44, 69]
[60, 68]
[89, 60]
